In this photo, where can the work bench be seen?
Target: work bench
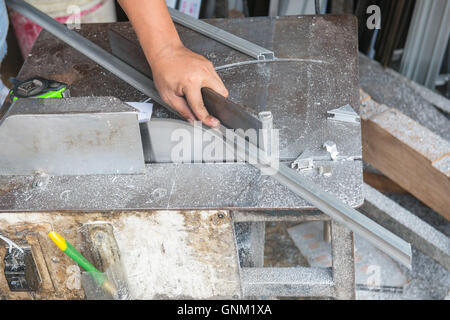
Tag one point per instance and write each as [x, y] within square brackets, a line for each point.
[317, 71]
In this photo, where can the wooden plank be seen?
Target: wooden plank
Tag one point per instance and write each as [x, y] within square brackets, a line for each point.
[407, 153]
[382, 183]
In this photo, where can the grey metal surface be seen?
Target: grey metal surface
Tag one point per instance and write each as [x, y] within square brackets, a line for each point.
[250, 240]
[351, 65]
[343, 261]
[260, 86]
[297, 115]
[321, 70]
[172, 186]
[165, 138]
[287, 282]
[222, 36]
[77, 136]
[405, 224]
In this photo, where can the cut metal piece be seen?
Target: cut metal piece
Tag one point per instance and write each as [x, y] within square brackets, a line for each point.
[162, 137]
[326, 171]
[344, 114]
[266, 119]
[331, 148]
[304, 162]
[229, 39]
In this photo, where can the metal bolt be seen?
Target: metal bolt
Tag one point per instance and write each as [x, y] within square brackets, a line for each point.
[266, 119]
[99, 236]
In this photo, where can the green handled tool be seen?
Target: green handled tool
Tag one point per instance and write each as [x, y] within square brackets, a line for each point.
[76, 256]
[39, 88]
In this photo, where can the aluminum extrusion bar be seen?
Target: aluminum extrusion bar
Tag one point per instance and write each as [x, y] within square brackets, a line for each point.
[229, 39]
[355, 221]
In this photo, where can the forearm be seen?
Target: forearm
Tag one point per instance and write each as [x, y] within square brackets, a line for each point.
[153, 25]
[179, 74]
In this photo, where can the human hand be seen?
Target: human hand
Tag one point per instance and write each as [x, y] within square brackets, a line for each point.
[179, 76]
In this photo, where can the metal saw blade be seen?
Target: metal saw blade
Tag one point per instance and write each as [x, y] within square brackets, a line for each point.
[230, 114]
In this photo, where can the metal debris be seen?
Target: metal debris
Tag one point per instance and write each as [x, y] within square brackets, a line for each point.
[344, 114]
[40, 180]
[304, 162]
[332, 149]
[325, 171]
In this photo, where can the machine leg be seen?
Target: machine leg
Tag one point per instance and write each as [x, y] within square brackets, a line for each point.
[250, 239]
[342, 247]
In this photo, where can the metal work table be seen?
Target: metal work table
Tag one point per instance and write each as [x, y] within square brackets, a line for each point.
[326, 77]
[324, 57]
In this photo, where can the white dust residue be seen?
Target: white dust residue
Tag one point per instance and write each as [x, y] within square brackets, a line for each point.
[165, 264]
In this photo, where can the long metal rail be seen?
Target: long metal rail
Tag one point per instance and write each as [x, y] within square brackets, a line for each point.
[354, 220]
[222, 36]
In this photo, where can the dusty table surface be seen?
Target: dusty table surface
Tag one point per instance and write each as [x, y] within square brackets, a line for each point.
[320, 73]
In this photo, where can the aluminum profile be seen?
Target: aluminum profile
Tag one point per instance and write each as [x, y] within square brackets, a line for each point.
[222, 36]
